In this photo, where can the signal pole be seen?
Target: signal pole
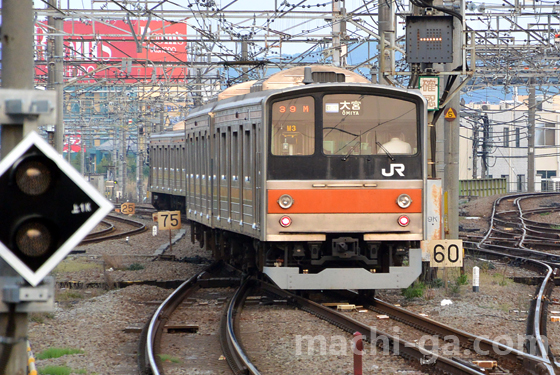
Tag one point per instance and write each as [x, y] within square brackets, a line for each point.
[17, 73]
[56, 74]
[451, 136]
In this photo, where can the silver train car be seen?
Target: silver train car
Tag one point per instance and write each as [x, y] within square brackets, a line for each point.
[320, 182]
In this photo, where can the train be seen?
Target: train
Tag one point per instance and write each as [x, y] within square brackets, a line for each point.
[314, 176]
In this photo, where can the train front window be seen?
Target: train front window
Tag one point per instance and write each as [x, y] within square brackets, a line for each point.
[293, 127]
[356, 124]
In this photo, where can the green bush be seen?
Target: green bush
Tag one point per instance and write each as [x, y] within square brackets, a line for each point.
[57, 352]
[55, 370]
[462, 279]
[168, 358]
[135, 267]
[414, 291]
[436, 283]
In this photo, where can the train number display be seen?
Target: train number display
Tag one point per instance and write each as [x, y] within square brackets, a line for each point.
[446, 253]
[169, 220]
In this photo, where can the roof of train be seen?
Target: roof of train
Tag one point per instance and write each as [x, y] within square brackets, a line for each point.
[284, 81]
[167, 134]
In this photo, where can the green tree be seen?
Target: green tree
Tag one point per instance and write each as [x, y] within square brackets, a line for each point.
[103, 164]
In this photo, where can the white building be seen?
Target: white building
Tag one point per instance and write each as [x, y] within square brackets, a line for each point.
[506, 142]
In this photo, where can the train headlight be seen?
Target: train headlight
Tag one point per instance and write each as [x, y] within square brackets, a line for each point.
[404, 201]
[285, 221]
[403, 221]
[285, 201]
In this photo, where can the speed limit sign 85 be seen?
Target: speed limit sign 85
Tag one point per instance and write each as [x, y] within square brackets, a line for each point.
[446, 253]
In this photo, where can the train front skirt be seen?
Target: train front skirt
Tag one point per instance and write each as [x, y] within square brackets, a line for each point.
[348, 278]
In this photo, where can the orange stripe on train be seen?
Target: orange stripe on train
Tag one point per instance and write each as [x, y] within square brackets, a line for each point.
[332, 201]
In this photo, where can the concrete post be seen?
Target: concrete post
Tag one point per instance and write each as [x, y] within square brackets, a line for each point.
[17, 73]
[531, 137]
[358, 353]
[451, 136]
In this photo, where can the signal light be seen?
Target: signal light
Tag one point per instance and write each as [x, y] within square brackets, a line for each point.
[403, 221]
[47, 208]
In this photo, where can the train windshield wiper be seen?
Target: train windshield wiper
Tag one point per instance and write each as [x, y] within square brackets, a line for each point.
[351, 150]
[385, 151]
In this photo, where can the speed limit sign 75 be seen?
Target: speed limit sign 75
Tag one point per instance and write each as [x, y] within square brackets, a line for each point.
[446, 253]
[169, 220]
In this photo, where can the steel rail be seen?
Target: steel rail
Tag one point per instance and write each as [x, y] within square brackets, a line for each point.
[153, 331]
[466, 340]
[408, 350]
[233, 351]
[140, 227]
[536, 323]
[110, 228]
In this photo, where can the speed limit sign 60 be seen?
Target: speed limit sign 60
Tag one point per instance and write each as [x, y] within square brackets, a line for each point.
[446, 253]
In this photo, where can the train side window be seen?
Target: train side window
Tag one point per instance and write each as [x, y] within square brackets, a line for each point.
[293, 127]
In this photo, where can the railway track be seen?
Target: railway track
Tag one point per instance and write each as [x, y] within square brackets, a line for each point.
[107, 233]
[216, 275]
[538, 359]
[455, 342]
[240, 363]
[508, 235]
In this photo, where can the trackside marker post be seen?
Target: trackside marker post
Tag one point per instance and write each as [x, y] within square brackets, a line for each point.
[168, 220]
[358, 353]
[475, 279]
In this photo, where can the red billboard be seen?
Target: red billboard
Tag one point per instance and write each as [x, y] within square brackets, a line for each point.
[75, 141]
[108, 49]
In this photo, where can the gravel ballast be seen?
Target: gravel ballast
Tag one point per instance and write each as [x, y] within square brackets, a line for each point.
[94, 319]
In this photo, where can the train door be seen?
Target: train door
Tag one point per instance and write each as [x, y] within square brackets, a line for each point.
[172, 167]
[258, 163]
[197, 175]
[190, 175]
[225, 180]
[217, 175]
[248, 150]
[235, 174]
[204, 183]
[154, 165]
[166, 161]
[183, 157]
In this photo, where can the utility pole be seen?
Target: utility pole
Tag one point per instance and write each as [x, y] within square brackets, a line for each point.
[82, 151]
[140, 161]
[17, 73]
[531, 137]
[244, 57]
[55, 51]
[475, 151]
[122, 163]
[338, 33]
[386, 37]
[115, 160]
[451, 136]
[485, 144]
